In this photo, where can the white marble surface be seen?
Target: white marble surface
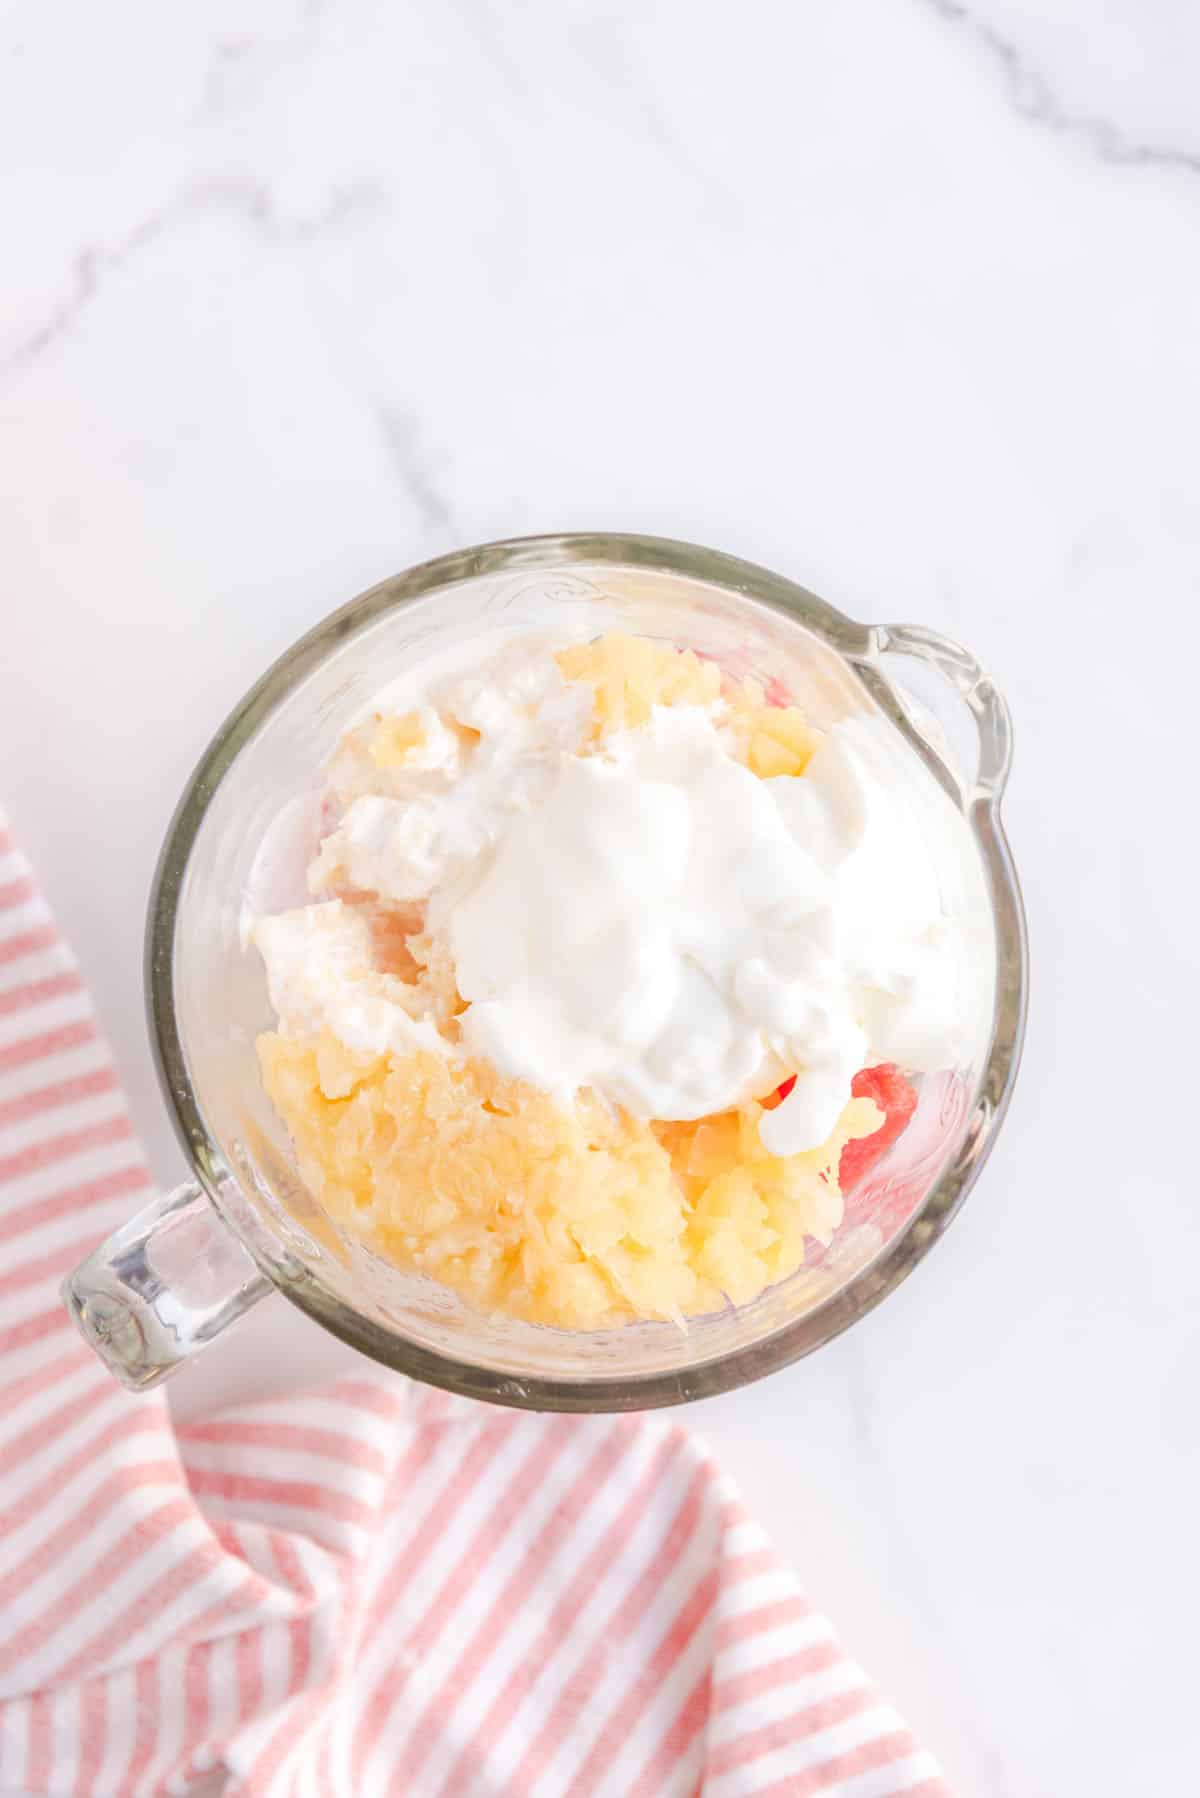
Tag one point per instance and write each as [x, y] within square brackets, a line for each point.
[899, 297]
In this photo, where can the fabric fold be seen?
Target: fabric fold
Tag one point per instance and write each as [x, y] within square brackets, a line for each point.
[369, 1588]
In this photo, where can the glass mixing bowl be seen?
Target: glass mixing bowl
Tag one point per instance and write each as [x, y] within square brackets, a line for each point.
[180, 1271]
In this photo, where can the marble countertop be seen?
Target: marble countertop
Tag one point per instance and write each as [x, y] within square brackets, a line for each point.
[898, 298]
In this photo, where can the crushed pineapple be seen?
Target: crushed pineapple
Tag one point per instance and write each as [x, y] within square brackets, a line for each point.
[631, 675]
[394, 740]
[571, 1217]
[776, 738]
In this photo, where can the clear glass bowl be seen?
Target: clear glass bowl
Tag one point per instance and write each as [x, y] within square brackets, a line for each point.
[176, 1274]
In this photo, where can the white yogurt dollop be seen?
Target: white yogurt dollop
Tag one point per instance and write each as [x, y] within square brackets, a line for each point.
[667, 928]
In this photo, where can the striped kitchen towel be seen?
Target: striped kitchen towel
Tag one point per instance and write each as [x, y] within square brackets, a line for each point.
[367, 1589]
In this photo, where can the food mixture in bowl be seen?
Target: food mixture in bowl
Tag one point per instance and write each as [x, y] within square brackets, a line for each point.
[616, 976]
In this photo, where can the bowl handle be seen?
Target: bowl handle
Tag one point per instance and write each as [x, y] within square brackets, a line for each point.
[990, 734]
[955, 667]
[162, 1287]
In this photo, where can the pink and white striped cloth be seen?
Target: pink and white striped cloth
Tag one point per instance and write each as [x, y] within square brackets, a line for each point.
[367, 1589]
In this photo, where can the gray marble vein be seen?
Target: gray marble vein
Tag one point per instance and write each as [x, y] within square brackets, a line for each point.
[403, 440]
[1035, 99]
[250, 201]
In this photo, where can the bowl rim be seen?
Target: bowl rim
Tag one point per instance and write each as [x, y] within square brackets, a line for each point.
[863, 647]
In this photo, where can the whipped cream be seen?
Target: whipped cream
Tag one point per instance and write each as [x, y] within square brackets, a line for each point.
[321, 975]
[651, 919]
[432, 818]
